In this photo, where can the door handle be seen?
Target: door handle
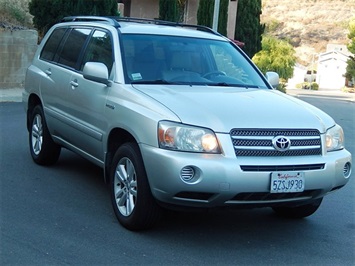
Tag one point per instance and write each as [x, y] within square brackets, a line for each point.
[74, 83]
[48, 72]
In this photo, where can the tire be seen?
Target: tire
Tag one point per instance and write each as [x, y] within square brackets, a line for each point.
[299, 211]
[43, 149]
[132, 200]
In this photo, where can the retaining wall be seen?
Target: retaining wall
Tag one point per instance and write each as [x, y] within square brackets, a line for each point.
[17, 49]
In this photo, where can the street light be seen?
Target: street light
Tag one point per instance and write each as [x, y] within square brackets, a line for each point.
[215, 15]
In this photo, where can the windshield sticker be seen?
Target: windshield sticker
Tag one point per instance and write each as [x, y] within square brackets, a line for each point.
[136, 76]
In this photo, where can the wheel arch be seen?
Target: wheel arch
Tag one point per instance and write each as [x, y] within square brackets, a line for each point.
[116, 138]
[33, 101]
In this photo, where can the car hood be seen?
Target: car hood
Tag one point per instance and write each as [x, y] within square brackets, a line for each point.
[224, 108]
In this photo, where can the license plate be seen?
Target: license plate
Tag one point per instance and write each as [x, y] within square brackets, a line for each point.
[287, 182]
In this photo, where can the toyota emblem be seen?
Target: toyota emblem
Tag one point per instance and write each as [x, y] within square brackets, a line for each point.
[281, 143]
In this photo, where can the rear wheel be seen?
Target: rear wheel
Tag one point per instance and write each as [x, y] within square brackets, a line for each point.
[43, 149]
[299, 211]
[132, 200]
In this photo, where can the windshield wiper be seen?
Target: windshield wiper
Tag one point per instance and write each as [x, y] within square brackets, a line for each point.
[158, 81]
[224, 84]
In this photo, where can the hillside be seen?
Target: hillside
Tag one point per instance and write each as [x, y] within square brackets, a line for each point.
[14, 14]
[308, 24]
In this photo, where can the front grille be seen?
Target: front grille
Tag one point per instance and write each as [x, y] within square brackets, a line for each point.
[277, 168]
[258, 142]
[265, 196]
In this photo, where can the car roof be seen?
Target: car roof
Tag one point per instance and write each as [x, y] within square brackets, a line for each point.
[138, 28]
[127, 25]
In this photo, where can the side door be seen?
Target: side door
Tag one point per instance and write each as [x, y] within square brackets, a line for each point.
[55, 86]
[52, 85]
[87, 99]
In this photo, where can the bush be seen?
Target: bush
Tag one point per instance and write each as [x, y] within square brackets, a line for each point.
[348, 89]
[282, 85]
[46, 15]
[310, 86]
[205, 15]
[169, 10]
[314, 86]
[15, 13]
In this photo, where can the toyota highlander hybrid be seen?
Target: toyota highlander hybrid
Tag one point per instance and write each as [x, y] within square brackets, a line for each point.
[178, 117]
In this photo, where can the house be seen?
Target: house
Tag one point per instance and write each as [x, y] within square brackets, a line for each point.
[150, 9]
[332, 67]
[299, 72]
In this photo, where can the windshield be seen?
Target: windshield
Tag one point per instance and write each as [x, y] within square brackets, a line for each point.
[156, 59]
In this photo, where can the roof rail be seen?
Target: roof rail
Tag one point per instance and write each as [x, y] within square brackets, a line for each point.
[166, 23]
[110, 20]
[114, 21]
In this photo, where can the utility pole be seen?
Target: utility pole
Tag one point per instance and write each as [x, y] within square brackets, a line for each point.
[215, 15]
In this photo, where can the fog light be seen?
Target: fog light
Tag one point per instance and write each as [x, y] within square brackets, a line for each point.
[347, 170]
[187, 173]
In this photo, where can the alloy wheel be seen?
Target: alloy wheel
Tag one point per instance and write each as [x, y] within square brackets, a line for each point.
[125, 186]
[37, 134]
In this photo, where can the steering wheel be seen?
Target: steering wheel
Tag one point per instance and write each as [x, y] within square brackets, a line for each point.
[214, 73]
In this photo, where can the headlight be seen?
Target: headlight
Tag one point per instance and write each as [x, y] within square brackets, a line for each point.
[175, 136]
[334, 138]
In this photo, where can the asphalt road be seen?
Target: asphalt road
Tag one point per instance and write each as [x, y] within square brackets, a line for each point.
[61, 215]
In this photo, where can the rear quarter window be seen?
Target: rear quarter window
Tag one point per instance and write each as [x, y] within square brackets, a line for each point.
[52, 44]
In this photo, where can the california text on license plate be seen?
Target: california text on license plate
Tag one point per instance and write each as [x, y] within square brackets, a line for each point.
[287, 182]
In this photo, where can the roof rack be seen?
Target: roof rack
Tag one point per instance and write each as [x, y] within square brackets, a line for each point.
[166, 23]
[108, 20]
[114, 21]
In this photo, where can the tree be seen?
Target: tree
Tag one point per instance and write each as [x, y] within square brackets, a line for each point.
[169, 10]
[350, 69]
[276, 55]
[248, 28]
[205, 15]
[46, 15]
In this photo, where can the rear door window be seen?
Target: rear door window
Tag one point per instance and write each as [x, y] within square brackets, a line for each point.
[73, 47]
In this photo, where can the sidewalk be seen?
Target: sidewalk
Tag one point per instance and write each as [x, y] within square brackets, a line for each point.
[11, 95]
[15, 95]
[334, 94]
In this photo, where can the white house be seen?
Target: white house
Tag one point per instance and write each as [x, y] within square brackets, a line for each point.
[299, 72]
[332, 67]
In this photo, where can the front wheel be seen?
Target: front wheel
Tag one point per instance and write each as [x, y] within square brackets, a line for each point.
[43, 149]
[132, 200]
[299, 211]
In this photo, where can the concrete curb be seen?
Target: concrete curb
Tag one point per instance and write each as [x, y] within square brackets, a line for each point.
[333, 94]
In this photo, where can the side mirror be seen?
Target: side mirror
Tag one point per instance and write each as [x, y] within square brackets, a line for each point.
[97, 72]
[273, 79]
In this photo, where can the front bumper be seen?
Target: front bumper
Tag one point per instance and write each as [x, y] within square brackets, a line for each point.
[220, 181]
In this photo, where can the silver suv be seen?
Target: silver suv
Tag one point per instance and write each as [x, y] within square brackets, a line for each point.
[177, 116]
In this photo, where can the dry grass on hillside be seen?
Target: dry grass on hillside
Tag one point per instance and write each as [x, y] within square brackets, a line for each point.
[14, 14]
[308, 24]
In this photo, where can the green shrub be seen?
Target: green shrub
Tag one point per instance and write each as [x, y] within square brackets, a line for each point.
[281, 87]
[299, 86]
[205, 15]
[169, 10]
[314, 86]
[310, 86]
